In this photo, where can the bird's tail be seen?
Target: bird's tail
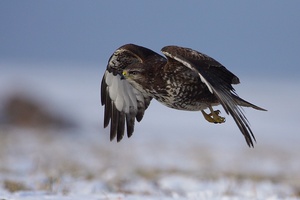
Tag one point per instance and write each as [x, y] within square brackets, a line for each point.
[244, 103]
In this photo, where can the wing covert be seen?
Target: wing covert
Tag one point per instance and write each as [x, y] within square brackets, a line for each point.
[217, 79]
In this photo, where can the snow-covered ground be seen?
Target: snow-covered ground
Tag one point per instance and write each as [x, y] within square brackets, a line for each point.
[172, 154]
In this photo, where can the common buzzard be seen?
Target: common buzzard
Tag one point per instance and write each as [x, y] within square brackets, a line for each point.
[185, 80]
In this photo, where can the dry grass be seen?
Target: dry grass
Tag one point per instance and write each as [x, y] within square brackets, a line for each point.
[14, 186]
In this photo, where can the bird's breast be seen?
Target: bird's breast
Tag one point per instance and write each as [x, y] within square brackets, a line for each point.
[183, 92]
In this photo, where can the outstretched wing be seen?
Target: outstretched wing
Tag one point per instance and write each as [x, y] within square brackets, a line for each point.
[123, 103]
[217, 79]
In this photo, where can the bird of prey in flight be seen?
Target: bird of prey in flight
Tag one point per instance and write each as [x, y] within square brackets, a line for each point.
[185, 80]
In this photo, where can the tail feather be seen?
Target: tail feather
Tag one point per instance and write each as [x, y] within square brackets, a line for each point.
[244, 103]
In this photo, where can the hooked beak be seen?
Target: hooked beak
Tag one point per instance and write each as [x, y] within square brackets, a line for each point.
[124, 73]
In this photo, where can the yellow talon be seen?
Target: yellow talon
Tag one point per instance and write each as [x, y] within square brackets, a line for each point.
[213, 117]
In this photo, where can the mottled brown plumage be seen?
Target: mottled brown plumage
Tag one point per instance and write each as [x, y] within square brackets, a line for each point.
[186, 80]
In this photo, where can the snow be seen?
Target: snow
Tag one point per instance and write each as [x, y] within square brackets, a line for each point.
[172, 154]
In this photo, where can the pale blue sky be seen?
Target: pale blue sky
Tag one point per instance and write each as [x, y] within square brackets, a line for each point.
[246, 36]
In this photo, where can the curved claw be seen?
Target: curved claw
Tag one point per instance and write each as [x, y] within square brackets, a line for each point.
[213, 117]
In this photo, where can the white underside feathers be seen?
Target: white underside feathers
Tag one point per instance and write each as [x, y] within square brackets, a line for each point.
[124, 96]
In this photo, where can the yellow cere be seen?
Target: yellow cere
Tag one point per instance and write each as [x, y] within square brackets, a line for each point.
[124, 73]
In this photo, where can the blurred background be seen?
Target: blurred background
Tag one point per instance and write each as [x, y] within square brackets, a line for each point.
[52, 58]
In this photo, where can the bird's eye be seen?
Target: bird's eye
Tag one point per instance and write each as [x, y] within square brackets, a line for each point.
[133, 72]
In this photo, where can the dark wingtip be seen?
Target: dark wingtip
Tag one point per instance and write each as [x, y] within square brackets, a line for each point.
[112, 135]
[130, 120]
[121, 126]
[114, 122]
[119, 138]
[248, 134]
[103, 91]
[250, 143]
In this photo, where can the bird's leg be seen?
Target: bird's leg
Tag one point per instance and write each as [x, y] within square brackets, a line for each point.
[213, 117]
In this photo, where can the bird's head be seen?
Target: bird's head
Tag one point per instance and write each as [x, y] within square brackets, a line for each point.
[135, 73]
